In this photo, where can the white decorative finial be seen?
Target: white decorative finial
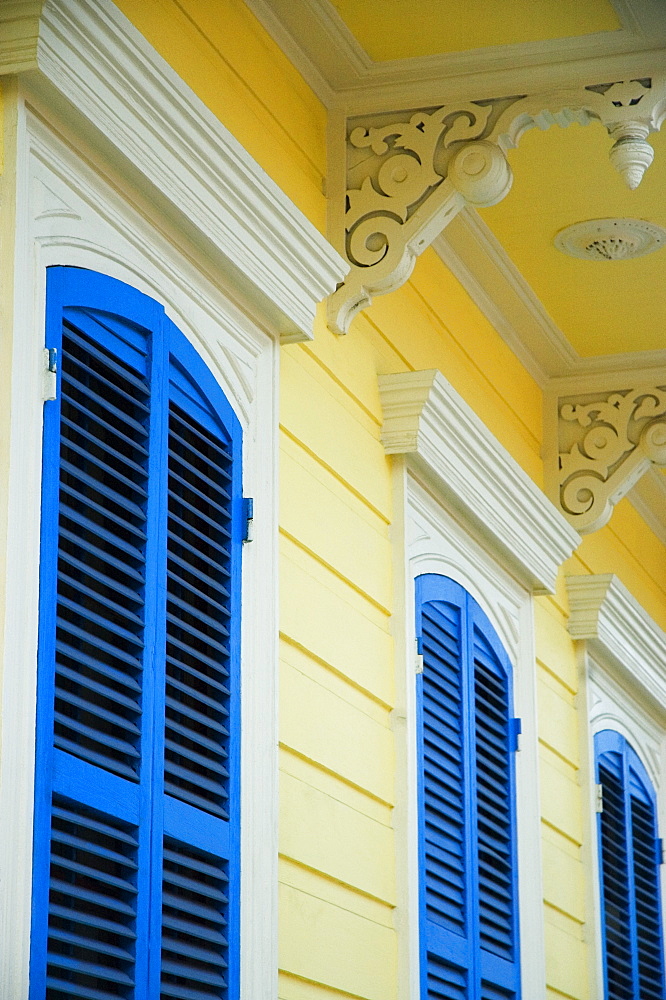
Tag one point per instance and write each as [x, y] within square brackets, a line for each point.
[631, 153]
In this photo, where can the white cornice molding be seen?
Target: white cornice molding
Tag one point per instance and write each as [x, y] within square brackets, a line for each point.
[325, 51]
[472, 252]
[90, 54]
[444, 440]
[648, 497]
[618, 631]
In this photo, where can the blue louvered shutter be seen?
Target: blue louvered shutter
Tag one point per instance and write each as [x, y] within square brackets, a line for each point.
[495, 814]
[444, 861]
[469, 930]
[100, 807]
[629, 869]
[201, 736]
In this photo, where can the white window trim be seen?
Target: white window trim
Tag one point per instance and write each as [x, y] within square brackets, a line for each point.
[622, 653]
[88, 53]
[447, 444]
[464, 508]
[70, 212]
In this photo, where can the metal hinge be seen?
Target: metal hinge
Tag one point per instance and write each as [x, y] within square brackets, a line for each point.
[248, 515]
[515, 729]
[418, 663]
[49, 373]
[599, 799]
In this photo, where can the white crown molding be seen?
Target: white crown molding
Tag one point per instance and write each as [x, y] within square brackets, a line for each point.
[90, 54]
[619, 632]
[472, 252]
[475, 256]
[446, 443]
[648, 497]
[267, 14]
[344, 76]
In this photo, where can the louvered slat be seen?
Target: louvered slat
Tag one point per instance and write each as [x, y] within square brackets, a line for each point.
[615, 880]
[92, 901]
[646, 890]
[443, 766]
[491, 992]
[197, 694]
[445, 981]
[494, 838]
[103, 487]
[194, 924]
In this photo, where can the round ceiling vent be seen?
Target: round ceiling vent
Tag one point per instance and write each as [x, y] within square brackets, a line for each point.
[610, 239]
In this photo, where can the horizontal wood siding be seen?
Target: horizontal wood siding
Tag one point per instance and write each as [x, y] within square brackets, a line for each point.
[338, 865]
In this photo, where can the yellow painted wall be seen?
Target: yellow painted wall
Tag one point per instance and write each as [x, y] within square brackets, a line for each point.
[337, 755]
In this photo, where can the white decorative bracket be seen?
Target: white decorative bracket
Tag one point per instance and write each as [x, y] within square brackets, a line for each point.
[409, 174]
[606, 441]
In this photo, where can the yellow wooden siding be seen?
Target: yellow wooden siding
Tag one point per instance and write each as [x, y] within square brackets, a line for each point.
[627, 547]
[566, 956]
[337, 760]
[324, 940]
[564, 876]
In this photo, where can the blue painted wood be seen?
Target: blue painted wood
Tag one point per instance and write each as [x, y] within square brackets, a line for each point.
[468, 899]
[629, 870]
[143, 496]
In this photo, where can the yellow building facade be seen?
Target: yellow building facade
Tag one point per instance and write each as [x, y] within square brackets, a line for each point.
[197, 151]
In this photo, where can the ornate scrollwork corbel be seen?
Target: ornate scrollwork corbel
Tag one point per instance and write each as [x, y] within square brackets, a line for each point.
[407, 176]
[606, 443]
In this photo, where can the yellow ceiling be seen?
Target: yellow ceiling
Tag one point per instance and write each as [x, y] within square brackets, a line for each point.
[561, 176]
[564, 176]
[400, 29]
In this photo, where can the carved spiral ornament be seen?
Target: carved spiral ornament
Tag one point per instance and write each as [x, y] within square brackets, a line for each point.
[653, 441]
[479, 170]
[621, 436]
[404, 174]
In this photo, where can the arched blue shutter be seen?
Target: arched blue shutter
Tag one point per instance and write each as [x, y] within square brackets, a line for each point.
[201, 739]
[128, 844]
[629, 866]
[469, 920]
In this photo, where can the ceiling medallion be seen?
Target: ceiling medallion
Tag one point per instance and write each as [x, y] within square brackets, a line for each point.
[610, 239]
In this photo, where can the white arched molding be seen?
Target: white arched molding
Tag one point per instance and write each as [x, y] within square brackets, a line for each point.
[451, 449]
[86, 57]
[73, 213]
[111, 163]
[464, 509]
[399, 177]
[622, 666]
